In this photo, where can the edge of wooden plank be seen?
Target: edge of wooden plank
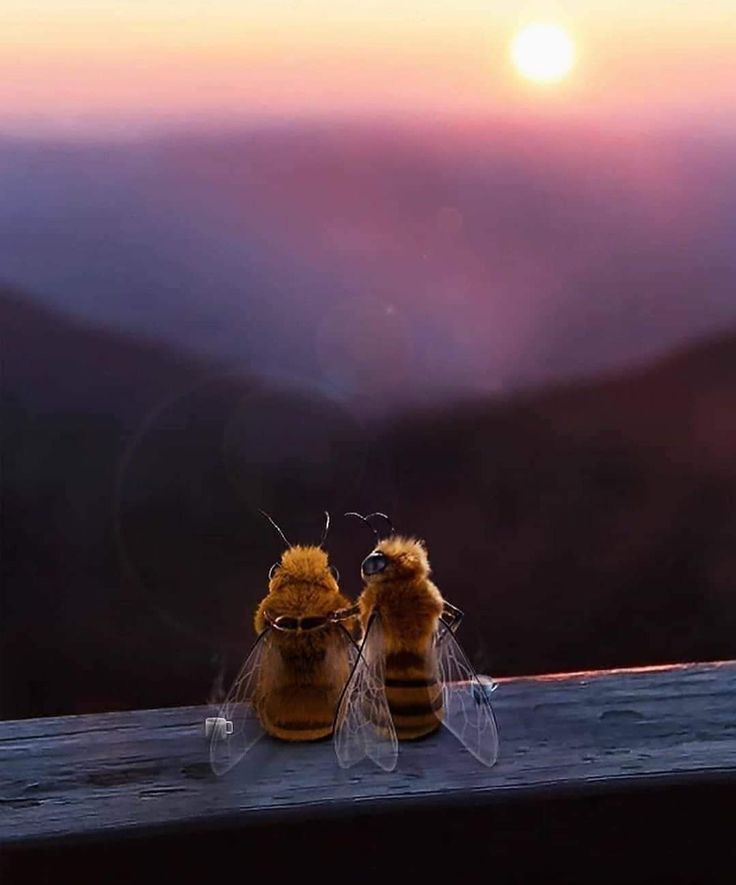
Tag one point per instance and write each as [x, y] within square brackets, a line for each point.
[486, 795]
[326, 810]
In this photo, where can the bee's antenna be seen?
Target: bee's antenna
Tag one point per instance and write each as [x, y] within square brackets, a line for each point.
[360, 516]
[327, 528]
[283, 536]
[383, 516]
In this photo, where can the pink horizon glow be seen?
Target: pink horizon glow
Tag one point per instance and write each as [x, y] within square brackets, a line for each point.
[104, 64]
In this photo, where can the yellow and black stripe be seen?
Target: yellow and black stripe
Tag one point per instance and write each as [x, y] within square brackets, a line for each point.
[301, 705]
[414, 694]
[299, 712]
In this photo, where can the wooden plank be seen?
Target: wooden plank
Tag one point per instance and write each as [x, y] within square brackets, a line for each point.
[146, 772]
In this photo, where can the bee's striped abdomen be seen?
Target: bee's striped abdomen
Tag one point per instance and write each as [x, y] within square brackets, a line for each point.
[414, 694]
[299, 703]
[299, 713]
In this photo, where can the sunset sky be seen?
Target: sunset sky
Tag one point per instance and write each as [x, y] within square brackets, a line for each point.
[76, 65]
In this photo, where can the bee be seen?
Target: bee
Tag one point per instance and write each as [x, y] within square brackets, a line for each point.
[411, 675]
[291, 681]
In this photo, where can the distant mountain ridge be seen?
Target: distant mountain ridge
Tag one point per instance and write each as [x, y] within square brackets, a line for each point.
[52, 361]
[397, 264]
[601, 515]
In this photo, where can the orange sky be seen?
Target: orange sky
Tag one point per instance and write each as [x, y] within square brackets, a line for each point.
[88, 63]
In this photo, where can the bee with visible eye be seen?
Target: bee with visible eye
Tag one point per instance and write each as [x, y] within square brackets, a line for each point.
[411, 675]
[291, 682]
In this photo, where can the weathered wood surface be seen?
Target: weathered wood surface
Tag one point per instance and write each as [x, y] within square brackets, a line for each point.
[147, 771]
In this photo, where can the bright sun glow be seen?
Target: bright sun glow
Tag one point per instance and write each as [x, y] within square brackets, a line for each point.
[543, 53]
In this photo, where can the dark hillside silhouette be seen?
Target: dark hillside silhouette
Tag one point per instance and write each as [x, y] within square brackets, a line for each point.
[581, 526]
[591, 525]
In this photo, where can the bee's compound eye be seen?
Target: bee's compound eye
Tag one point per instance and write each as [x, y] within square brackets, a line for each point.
[335, 573]
[272, 571]
[374, 564]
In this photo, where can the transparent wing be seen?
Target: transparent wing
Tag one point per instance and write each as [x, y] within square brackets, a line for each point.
[452, 616]
[468, 713]
[363, 723]
[351, 646]
[237, 727]
[340, 661]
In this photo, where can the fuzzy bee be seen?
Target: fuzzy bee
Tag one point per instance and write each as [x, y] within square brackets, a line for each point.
[411, 675]
[291, 682]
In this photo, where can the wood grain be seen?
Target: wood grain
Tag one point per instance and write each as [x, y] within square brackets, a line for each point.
[147, 771]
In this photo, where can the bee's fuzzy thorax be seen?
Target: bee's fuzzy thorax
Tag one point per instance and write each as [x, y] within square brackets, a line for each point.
[302, 586]
[306, 563]
[408, 555]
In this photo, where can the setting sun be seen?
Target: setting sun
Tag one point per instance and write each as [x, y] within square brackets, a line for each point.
[543, 53]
